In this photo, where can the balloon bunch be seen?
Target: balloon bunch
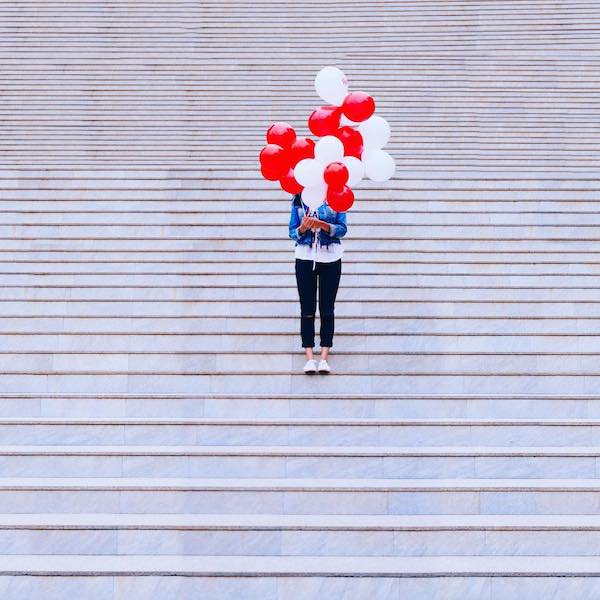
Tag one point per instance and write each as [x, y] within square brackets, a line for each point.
[352, 138]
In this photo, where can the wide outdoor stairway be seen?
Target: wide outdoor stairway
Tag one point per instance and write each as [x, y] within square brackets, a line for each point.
[157, 437]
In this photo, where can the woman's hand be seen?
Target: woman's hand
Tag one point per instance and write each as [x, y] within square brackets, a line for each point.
[324, 225]
[307, 223]
[313, 223]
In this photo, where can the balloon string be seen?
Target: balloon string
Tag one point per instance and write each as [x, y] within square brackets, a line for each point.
[316, 231]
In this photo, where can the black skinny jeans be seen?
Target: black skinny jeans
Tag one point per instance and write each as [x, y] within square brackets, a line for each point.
[327, 276]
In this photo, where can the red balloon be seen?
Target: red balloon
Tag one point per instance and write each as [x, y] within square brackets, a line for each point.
[358, 106]
[352, 140]
[336, 175]
[340, 200]
[289, 184]
[282, 134]
[274, 162]
[325, 120]
[302, 148]
[268, 174]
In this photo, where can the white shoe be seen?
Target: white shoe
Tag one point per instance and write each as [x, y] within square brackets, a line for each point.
[324, 366]
[311, 366]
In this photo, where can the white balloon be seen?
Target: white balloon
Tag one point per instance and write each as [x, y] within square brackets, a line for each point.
[329, 149]
[356, 170]
[314, 196]
[375, 132]
[331, 85]
[379, 165]
[308, 172]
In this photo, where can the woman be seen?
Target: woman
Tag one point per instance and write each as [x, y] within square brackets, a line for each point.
[318, 262]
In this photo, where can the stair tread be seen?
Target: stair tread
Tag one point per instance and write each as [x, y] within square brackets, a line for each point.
[284, 450]
[360, 566]
[303, 421]
[190, 521]
[291, 484]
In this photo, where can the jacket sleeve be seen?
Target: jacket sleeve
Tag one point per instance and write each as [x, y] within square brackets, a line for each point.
[294, 224]
[339, 228]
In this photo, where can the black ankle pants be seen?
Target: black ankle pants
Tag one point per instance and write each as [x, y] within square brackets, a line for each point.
[325, 276]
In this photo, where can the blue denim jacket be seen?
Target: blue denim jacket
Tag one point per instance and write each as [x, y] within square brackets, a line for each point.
[336, 220]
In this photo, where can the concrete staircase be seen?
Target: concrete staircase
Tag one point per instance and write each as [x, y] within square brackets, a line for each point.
[156, 437]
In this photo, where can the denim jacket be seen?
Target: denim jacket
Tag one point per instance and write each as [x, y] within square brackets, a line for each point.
[336, 220]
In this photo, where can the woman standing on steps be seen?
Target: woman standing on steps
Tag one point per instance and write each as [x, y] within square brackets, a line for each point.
[318, 252]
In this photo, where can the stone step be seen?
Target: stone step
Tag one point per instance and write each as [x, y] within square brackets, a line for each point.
[264, 246]
[298, 94]
[478, 91]
[536, 130]
[459, 9]
[413, 70]
[217, 343]
[216, 231]
[293, 535]
[165, 34]
[260, 383]
[354, 259]
[101, 311]
[150, 44]
[212, 175]
[97, 343]
[227, 54]
[463, 12]
[280, 219]
[432, 153]
[244, 185]
[280, 278]
[284, 578]
[422, 160]
[435, 152]
[300, 462]
[460, 18]
[518, 138]
[299, 496]
[536, 140]
[72, 175]
[541, 113]
[171, 118]
[190, 204]
[574, 296]
[175, 117]
[413, 125]
[226, 578]
[464, 157]
[162, 33]
[173, 147]
[483, 362]
[350, 324]
[187, 203]
[374, 269]
[304, 432]
[297, 406]
[540, 132]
